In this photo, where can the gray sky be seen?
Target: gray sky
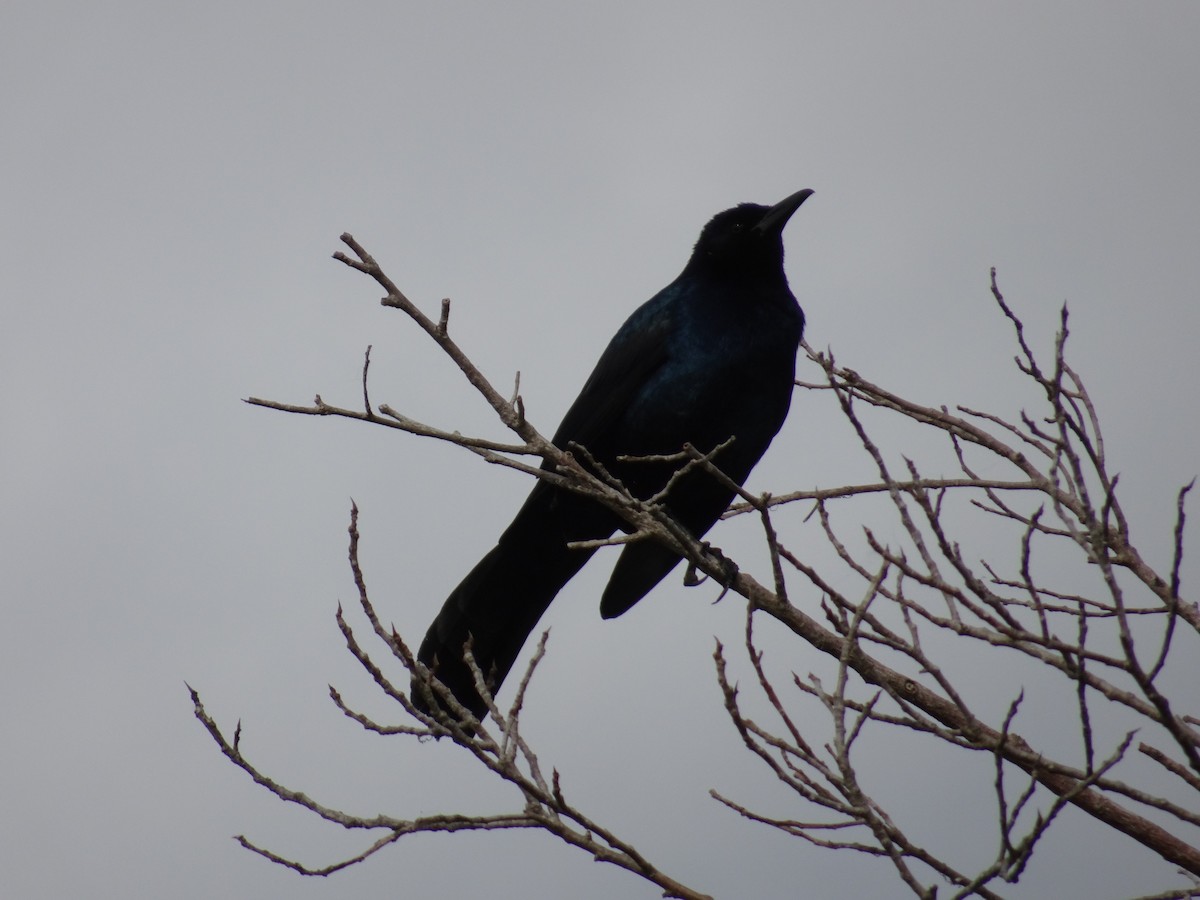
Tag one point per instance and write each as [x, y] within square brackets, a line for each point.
[175, 179]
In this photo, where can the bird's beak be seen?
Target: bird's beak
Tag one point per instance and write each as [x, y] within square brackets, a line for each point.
[777, 216]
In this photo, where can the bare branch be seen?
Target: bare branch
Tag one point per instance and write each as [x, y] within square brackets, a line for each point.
[892, 592]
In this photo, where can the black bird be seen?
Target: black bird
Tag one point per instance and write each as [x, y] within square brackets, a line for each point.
[712, 356]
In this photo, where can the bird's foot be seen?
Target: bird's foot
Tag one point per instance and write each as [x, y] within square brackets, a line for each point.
[729, 571]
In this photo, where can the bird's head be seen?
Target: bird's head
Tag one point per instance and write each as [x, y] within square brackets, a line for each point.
[747, 239]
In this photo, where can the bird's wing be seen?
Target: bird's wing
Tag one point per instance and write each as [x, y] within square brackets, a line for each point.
[625, 367]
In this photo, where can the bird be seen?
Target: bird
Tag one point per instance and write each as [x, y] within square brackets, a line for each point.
[709, 360]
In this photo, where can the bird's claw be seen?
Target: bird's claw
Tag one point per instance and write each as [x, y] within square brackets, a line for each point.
[729, 571]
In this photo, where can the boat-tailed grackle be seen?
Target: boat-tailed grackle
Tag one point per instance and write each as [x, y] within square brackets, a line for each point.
[712, 356]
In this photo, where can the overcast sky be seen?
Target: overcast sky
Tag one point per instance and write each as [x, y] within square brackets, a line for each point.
[175, 179]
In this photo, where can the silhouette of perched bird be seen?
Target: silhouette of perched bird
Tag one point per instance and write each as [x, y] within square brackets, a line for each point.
[712, 356]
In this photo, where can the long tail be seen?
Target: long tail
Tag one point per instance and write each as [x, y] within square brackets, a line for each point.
[501, 600]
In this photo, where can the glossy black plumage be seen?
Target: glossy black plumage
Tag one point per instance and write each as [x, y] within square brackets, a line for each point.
[711, 356]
